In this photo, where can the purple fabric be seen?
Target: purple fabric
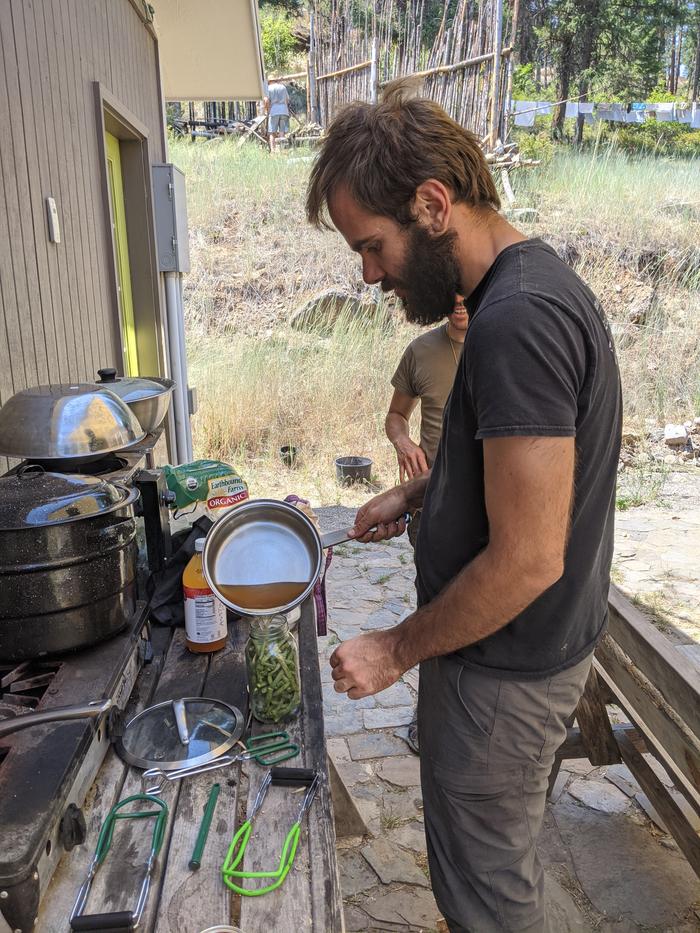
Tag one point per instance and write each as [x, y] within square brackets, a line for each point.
[320, 600]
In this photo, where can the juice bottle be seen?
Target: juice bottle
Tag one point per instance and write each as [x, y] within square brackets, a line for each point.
[205, 616]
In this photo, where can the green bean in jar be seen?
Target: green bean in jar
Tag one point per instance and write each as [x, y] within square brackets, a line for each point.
[272, 663]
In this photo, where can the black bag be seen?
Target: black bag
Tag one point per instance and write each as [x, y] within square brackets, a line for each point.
[165, 587]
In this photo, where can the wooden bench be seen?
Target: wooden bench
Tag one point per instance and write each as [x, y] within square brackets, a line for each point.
[639, 671]
[185, 901]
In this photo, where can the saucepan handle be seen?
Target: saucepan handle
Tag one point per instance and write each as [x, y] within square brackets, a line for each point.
[331, 538]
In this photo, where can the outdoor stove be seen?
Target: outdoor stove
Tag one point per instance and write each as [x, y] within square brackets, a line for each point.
[47, 770]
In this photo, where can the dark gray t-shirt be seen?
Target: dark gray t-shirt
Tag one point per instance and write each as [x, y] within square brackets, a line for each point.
[538, 360]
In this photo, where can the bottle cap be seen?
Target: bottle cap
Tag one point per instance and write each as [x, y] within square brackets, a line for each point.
[199, 545]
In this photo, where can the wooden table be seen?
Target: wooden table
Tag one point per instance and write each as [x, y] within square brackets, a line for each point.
[183, 901]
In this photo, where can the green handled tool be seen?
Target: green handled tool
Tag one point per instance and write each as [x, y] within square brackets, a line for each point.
[196, 859]
[305, 777]
[123, 919]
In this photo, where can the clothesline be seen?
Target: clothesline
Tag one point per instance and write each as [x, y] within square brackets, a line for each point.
[666, 112]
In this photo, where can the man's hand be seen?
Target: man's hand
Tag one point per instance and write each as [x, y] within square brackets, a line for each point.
[386, 511]
[365, 665]
[411, 457]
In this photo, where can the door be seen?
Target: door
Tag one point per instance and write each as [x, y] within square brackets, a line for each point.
[117, 214]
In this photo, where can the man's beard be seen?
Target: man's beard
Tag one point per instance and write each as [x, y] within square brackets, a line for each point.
[430, 276]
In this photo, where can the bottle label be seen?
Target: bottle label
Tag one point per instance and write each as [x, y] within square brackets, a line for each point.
[205, 616]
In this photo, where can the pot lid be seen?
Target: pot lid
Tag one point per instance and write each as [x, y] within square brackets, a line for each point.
[180, 733]
[133, 388]
[33, 498]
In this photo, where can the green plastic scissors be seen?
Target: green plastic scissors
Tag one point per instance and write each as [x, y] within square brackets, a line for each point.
[230, 871]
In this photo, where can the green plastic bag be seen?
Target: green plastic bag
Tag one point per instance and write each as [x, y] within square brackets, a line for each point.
[214, 485]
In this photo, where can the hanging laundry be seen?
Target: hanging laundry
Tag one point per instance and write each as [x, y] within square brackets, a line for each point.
[683, 114]
[665, 113]
[695, 117]
[642, 107]
[524, 119]
[544, 108]
[571, 110]
[604, 112]
[636, 116]
[586, 109]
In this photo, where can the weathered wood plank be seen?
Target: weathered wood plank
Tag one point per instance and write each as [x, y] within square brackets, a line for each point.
[679, 827]
[53, 67]
[574, 747]
[592, 717]
[198, 900]
[673, 675]
[643, 703]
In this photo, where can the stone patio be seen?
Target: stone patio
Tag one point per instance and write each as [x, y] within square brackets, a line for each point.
[611, 867]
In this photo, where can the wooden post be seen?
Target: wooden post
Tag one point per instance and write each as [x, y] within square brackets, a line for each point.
[507, 104]
[496, 74]
[312, 91]
[373, 68]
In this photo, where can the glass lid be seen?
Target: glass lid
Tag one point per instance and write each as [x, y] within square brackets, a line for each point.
[180, 733]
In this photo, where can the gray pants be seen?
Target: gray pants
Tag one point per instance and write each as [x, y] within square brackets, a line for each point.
[486, 747]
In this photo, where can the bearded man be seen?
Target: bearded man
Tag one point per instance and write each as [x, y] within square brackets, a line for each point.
[516, 537]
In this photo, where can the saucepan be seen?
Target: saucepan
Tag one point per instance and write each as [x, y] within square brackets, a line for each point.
[265, 556]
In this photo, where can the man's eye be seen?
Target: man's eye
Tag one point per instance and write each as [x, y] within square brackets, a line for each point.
[374, 248]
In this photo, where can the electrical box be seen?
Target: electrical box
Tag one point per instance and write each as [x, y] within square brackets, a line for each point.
[170, 205]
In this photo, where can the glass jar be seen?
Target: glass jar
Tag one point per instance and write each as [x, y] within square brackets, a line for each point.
[272, 663]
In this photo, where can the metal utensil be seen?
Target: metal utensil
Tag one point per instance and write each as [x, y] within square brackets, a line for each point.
[57, 714]
[180, 734]
[123, 919]
[148, 397]
[264, 542]
[68, 423]
[269, 749]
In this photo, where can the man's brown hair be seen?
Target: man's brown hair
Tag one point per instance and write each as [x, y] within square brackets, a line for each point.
[382, 152]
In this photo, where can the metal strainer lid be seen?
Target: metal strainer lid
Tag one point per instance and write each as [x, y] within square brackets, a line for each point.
[180, 733]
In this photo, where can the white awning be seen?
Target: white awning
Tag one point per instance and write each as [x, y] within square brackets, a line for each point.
[209, 49]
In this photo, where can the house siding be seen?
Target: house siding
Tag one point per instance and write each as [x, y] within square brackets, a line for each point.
[58, 310]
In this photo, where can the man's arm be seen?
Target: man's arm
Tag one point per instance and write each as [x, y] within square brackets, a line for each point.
[411, 457]
[528, 491]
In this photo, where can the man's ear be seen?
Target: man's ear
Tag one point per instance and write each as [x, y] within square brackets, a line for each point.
[432, 205]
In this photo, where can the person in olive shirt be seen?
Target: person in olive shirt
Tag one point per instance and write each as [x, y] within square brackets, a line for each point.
[516, 537]
[425, 374]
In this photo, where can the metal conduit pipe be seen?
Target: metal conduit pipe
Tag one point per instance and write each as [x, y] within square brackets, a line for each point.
[178, 366]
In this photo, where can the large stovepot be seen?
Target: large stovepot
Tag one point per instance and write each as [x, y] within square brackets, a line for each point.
[67, 562]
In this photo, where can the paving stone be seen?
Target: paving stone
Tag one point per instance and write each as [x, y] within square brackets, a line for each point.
[356, 875]
[418, 908]
[627, 787]
[623, 869]
[384, 907]
[409, 836]
[411, 678]
[370, 811]
[332, 700]
[403, 772]
[388, 716]
[599, 795]
[564, 915]
[406, 805]
[343, 720]
[380, 619]
[338, 749]
[559, 785]
[346, 617]
[377, 745]
[650, 811]
[393, 865]
[380, 575]
[397, 606]
[356, 920]
[353, 772]
[397, 694]
[344, 632]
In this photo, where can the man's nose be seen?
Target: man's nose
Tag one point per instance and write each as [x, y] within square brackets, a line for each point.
[372, 271]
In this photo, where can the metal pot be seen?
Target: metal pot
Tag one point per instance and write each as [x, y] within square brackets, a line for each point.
[269, 547]
[67, 562]
[147, 397]
[66, 424]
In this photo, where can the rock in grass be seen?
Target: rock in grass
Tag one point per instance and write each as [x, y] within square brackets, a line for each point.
[322, 312]
[675, 435]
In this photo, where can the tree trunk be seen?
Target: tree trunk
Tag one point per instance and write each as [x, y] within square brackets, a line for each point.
[696, 72]
[565, 65]
[672, 69]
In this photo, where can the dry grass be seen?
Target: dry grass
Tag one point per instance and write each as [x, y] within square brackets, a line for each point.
[631, 228]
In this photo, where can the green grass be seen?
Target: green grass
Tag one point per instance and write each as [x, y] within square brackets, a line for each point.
[641, 485]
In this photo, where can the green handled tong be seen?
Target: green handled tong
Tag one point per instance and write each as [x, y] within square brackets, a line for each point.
[123, 919]
[230, 871]
[270, 748]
